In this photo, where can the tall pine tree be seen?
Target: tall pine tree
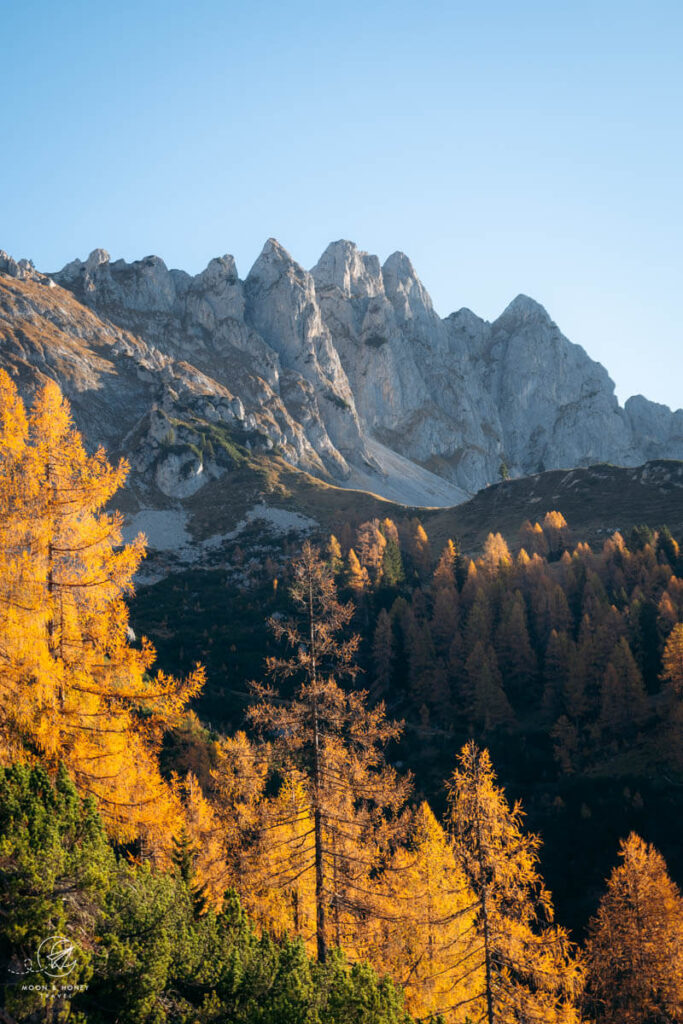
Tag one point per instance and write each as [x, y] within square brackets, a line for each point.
[528, 970]
[635, 948]
[334, 744]
[73, 689]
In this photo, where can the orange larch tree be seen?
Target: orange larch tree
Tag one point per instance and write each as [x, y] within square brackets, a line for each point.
[423, 931]
[73, 688]
[327, 743]
[528, 968]
[635, 947]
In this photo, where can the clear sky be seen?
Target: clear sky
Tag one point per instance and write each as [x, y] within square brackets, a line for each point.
[505, 146]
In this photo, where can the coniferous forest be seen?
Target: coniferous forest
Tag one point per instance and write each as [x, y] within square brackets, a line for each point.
[369, 782]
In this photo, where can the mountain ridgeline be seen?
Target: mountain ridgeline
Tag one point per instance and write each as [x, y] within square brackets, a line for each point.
[345, 371]
[318, 791]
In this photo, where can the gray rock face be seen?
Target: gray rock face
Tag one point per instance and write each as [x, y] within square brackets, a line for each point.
[349, 371]
[202, 321]
[22, 270]
[406, 372]
[660, 432]
[556, 406]
[462, 395]
[283, 309]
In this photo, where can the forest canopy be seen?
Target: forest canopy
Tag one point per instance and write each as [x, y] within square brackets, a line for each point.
[293, 868]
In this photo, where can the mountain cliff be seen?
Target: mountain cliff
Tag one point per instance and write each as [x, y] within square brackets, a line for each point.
[345, 371]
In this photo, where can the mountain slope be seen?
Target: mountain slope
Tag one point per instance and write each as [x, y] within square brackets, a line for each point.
[346, 372]
[357, 353]
[595, 501]
[205, 467]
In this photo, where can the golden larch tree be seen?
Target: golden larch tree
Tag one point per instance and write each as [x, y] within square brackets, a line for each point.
[496, 553]
[672, 710]
[331, 744]
[238, 782]
[635, 947]
[424, 928]
[370, 546]
[73, 687]
[418, 548]
[529, 971]
[444, 574]
[356, 575]
[556, 530]
[334, 555]
[204, 831]
[672, 661]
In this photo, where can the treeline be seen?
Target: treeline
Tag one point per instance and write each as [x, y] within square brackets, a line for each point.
[302, 813]
[584, 646]
[565, 661]
[334, 849]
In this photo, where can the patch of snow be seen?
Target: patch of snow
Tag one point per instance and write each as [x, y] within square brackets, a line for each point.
[166, 532]
[214, 541]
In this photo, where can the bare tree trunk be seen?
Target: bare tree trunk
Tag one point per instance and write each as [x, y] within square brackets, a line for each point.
[295, 911]
[296, 903]
[320, 893]
[487, 961]
[335, 888]
[487, 934]
[50, 586]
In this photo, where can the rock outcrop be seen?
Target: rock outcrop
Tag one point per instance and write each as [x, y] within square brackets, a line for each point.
[203, 321]
[461, 395]
[346, 371]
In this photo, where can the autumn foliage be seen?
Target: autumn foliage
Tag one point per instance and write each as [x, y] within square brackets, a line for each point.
[635, 949]
[456, 913]
[74, 689]
[528, 966]
[302, 811]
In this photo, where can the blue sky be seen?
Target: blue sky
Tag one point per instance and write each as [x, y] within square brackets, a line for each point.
[505, 147]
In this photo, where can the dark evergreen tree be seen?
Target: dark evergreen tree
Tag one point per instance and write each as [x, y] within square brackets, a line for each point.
[131, 946]
[184, 857]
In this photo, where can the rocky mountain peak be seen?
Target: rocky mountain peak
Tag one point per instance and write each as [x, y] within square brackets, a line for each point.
[145, 285]
[465, 319]
[272, 264]
[275, 269]
[405, 290]
[8, 265]
[655, 423]
[76, 267]
[272, 247]
[220, 271]
[399, 267]
[348, 371]
[98, 257]
[23, 270]
[355, 273]
[523, 310]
